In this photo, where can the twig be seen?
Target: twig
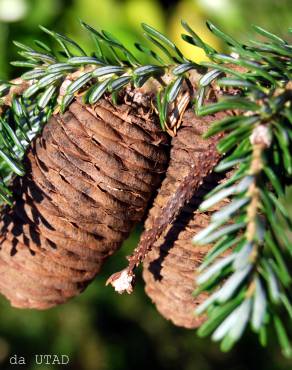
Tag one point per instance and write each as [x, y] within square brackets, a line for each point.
[123, 280]
[18, 86]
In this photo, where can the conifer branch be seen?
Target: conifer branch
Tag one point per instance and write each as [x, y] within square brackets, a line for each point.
[252, 283]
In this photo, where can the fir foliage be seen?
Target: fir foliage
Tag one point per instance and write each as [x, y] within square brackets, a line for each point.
[252, 284]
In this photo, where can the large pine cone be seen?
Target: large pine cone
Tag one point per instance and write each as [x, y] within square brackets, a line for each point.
[170, 267]
[89, 178]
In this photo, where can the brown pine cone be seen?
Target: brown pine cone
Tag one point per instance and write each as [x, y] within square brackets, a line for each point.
[89, 177]
[170, 267]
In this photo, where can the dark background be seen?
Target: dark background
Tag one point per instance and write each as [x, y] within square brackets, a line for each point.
[100, 330]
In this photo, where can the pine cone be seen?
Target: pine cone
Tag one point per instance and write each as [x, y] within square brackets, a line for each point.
[89, 177]
[170, 267]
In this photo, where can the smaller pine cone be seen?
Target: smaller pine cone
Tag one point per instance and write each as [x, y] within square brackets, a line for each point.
[170, 267]
[90, 175]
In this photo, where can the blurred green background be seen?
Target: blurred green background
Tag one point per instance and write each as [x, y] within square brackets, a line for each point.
[100, 330]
